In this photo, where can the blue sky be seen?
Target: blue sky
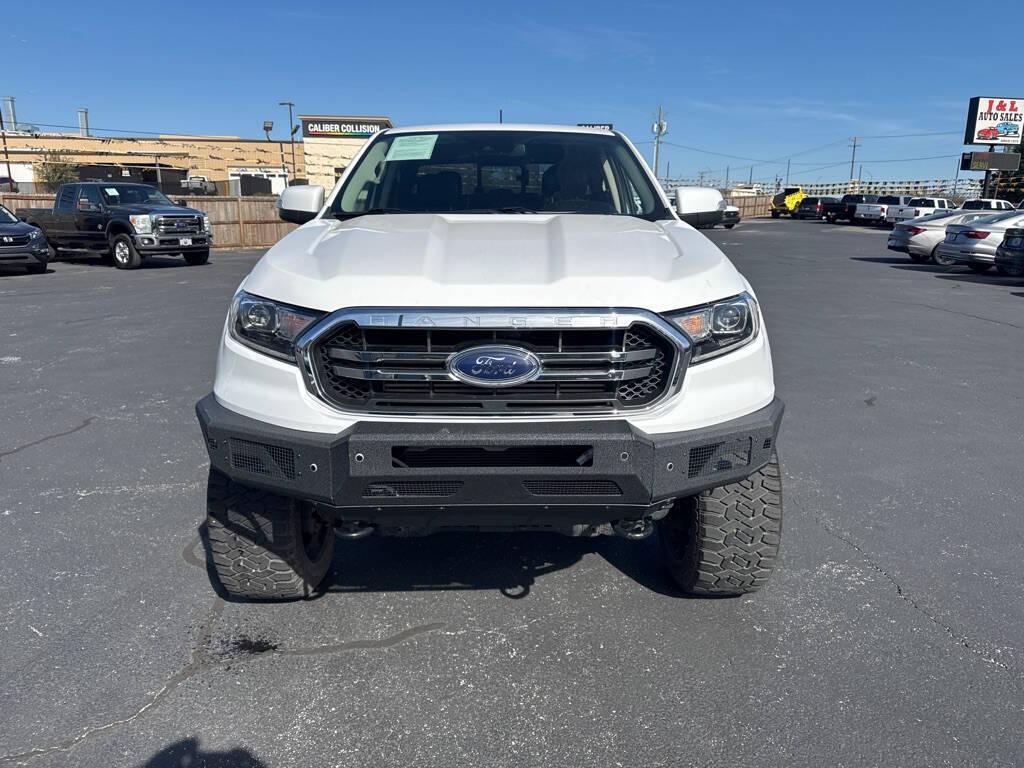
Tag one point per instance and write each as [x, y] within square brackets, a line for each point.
[751, 79]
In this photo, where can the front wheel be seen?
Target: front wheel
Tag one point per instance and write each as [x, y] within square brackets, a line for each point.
[264, 546]
[775, 214]
[197, 258]
[1009, 271]
[124, 254]
[725, 541]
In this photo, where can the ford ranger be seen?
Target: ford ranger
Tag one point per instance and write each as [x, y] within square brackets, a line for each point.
[125, 222]
[491, 328]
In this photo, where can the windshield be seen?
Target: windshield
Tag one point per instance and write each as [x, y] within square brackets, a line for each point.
[6, 217]
[499, 171]
[132, 194]
[939, 215]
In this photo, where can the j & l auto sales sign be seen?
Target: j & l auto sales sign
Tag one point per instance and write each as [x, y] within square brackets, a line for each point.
[994, 120]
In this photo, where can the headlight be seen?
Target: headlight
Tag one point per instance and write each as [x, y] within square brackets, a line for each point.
[720, 327]
[206, 224]
[142, 224]
[34, 234]
[268, 326]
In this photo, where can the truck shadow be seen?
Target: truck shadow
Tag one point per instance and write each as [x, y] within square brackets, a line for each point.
[150, 262]
[509, 563]
[187, 753]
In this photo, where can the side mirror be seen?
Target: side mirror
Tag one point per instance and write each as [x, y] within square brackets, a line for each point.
[300, 204]
[699, 206]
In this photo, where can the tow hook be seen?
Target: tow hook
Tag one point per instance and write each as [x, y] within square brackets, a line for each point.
[352, 529]
[642, 527]
[634, 530]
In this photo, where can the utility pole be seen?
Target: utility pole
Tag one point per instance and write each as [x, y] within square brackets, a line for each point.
[7, 158]
[787, 170]
[659, 129]
[668, 169]
[291, 127]
[727, 177]
[853, 156]
[501, 116]
[700, 183]
[751, 179]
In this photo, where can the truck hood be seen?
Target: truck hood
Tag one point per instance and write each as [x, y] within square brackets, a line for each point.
[153, 208]
[500, 260]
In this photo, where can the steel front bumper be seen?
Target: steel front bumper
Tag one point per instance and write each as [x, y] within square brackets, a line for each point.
[599, 466]
[158, 243]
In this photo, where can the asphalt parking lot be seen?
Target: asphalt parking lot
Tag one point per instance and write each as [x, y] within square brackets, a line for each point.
[893, 634]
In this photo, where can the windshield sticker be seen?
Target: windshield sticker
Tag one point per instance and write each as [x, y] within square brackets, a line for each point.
[111, 190]
[411, 147]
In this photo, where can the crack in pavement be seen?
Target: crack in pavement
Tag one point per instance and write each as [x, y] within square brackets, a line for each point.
[71, 431]
[986, 655]
[962, 314]
[201, 659]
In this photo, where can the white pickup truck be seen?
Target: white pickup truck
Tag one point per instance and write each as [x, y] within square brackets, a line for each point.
[875, 213]
[917, 207]
[492, 327]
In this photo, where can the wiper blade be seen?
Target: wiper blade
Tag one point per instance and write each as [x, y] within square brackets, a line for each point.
[505, 209]
[368, 212]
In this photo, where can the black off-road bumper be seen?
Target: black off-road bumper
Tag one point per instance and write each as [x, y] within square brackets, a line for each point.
[522, 475]
[157, 244]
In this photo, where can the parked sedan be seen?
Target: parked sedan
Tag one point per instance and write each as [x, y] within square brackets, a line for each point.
[920, 237]
[22, 244]
[973, 244]
[1010, 254]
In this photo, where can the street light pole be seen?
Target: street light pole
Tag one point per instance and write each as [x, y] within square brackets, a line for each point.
[291, 128]
[7, 158]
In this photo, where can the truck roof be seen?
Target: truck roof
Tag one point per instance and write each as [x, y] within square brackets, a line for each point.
[498, 127]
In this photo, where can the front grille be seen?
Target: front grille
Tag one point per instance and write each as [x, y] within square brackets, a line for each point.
[403, 369]
[12, 241]
[262, 459]
[175, 224]
[572, 488]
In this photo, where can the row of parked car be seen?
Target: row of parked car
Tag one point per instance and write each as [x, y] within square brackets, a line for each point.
[977, 239]
[879, 210]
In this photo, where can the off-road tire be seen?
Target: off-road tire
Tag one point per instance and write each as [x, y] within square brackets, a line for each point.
[123, 252]
[725, 541]
[197, 258]
[257, 545]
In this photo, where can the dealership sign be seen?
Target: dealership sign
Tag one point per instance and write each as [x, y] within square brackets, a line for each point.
[994, 120]
[326, 127]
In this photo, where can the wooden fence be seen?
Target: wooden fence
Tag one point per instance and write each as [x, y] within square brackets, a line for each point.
[752, 206]
[238, 222]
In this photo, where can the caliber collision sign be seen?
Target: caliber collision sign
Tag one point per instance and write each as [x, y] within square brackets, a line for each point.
[994, 120]
[335, 127]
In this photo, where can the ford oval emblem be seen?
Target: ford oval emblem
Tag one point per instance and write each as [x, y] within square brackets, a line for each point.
[494, 366]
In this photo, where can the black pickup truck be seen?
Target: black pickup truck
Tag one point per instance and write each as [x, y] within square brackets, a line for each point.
[846, 208]
[124, 221]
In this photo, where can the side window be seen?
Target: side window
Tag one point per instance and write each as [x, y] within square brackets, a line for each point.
[89, 199]
[66, 201]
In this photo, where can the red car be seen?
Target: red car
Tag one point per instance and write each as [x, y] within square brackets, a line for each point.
[988, 133]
